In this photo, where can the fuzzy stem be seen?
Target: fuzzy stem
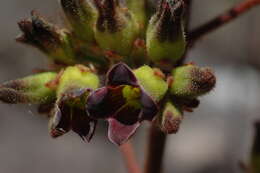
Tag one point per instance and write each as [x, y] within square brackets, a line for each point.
[130, 158]
[155, 152]
[221, 20]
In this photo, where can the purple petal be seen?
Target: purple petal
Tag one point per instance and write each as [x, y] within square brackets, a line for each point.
[104, 102]
[149, 107]
[60, 122]
[83, 125]
[121, 74]
[128, 115]
[119, 133]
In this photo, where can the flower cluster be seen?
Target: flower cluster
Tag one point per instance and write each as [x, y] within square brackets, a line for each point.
[116, 62]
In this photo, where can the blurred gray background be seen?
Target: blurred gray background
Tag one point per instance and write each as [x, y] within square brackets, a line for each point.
[211, 140]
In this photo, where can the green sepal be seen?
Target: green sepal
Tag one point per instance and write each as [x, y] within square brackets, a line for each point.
[190, 81]
[77, 77]
[32, 89]
[153, 83]
[171, 118]
[81, 14]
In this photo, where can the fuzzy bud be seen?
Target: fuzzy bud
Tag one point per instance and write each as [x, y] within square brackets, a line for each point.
[54, 42]
[152, 80]
[165, 37]
[171, 118]
[191, 81]
[115, 29]
[77, 77]
[81, 15]
[138, 9]
[31, 89]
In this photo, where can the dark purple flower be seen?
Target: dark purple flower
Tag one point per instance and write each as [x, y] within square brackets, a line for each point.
[122, 102]
[69, 115]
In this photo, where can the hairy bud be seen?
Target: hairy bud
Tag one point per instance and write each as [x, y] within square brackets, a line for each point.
[171, 118]
[49, 39]
[81, 15]
[192, 81]
[31, 89]
[115, 29]
[139, 11]
[165, 34]
[152, 80]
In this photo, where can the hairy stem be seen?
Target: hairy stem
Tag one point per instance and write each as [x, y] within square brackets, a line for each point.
[130, 158]
[221, 20]
[155, 152]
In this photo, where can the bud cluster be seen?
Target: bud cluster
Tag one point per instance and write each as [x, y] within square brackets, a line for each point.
[128, 70]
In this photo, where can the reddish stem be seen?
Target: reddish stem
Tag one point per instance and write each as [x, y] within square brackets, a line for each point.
[130, 158]
[155, 151]
[221, 20]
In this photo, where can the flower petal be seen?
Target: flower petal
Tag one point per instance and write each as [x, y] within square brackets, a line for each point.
[149, 107]
[119, 133]
[60, 122]
[83, 125]
[128, 115]
[105, 101]
[121, 74]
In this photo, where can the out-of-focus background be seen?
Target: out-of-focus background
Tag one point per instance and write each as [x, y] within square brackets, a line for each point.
[213, 139]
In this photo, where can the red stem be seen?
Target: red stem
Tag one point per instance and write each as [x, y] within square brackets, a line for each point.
[155, 152]
[130, 158]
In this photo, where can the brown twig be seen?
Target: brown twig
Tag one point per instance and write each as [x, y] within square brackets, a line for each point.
[221, 20]
[130, 158]
[155, 151]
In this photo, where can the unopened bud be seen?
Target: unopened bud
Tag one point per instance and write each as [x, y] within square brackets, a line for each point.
[191, 81]
[152, 80]
[165, 34]
[171, 118]
[30, 89]
[139, 11]
[115, 29]
[77, 77]
[54, 42]
[81, 15]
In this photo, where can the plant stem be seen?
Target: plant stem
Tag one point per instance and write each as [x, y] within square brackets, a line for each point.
[155, 152]
[221, 20]
[130, 158]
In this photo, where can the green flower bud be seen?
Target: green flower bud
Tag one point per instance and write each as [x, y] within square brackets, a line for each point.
[31, 89]
[115, 29]
[191, 81]
[77, 77]
[165, 36]
[81, 15]
[138, 9]
[54, 42]
[152, 80]
[171, 118]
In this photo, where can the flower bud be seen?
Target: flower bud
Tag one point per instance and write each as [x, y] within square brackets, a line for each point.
[138, 9]
[31, 89]
[115, 29]
[54, 42]
[191, 81]
[152, 80]
[81, 15]
[77, 77]
[165, 36]
[171, 118]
